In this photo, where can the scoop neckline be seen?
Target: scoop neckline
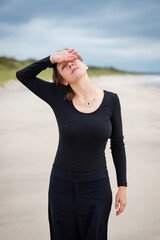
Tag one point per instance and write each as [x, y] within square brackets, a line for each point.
[89, 112]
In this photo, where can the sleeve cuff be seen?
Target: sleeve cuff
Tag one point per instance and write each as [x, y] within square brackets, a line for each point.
[49, 64]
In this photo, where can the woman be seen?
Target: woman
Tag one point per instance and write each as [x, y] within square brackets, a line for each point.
[80, 195]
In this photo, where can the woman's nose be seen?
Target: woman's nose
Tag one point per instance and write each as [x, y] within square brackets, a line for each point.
[70, 63]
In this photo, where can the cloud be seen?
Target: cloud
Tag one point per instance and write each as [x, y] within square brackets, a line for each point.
[112, 33]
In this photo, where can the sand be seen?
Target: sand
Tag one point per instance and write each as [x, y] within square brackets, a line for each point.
[29, 139]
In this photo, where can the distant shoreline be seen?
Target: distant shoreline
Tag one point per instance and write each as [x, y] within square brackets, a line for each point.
[9, 67]
[147, 80]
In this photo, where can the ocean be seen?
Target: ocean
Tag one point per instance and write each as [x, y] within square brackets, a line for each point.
[150, 80]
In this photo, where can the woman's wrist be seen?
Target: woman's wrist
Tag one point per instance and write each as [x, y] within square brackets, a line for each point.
[51, 59]
[122, 187]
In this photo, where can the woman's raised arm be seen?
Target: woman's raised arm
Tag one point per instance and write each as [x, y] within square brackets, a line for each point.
[43, 89]
[27, 76]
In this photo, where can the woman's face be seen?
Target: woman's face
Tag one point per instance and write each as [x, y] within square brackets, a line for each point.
[71, 71]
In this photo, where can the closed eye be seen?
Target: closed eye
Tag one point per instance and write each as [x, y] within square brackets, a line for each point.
[63, 67]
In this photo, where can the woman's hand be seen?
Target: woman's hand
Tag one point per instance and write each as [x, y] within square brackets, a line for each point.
[64, 55]
[120, 198]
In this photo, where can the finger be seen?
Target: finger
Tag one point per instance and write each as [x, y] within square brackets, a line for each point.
[73, 54]
[121, 210]
[70, 50]
[72, 58]
[118, 212]
[116, 205]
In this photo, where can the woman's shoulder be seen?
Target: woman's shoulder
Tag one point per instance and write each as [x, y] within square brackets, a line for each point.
[58, 87]
[113, 96]
[110, 93]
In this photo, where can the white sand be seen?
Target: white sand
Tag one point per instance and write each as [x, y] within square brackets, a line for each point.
[29, 139]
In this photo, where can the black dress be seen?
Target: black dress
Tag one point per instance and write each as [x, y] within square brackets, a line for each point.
[80, 195]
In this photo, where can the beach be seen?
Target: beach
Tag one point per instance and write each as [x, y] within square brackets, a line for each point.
[29, 140]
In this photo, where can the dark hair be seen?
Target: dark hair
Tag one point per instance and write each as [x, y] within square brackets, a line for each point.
[57, 78]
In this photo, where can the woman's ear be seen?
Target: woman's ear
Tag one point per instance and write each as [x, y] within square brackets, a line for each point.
[64, 82]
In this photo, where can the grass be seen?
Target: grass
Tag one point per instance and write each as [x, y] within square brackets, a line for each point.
[9, 67]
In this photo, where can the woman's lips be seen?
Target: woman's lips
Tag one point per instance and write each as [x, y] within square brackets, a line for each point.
[74, 69]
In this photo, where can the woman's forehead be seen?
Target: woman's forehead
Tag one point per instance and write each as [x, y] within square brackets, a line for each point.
[59, 64]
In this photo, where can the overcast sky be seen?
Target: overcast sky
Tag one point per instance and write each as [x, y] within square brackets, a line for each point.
[124, 34]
